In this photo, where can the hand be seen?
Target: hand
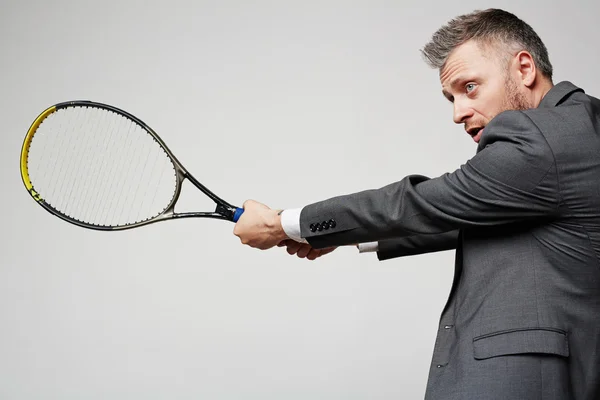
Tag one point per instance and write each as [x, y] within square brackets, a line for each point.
[304, 250]
[259, 226]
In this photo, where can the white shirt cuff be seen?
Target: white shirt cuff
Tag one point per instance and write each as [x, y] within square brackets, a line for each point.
[368, 247]
[290, 222]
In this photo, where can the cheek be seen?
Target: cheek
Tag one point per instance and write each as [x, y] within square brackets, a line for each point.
[488, 108]
[489, 101]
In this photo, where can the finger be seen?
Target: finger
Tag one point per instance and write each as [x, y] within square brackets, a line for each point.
[327, 250]
[254, 205]
[237, 231]
[313, 254]
[293, 247]
[304, 250]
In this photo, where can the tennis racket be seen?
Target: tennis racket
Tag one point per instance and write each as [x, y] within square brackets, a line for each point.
[99, 167]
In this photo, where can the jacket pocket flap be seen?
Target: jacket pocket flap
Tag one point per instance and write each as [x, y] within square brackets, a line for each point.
[521, 341]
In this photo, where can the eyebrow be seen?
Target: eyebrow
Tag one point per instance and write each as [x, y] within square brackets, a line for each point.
[457, 80]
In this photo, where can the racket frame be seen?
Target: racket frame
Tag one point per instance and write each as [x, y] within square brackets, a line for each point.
[223, 209]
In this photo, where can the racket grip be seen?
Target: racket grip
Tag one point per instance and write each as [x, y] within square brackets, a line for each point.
[237, 214]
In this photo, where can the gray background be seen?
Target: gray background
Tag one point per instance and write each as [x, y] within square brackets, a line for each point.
[284, 102]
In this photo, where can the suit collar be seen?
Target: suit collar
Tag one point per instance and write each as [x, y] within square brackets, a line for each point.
[560, 92]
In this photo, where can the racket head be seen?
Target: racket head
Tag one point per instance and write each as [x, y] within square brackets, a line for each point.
[93, 133]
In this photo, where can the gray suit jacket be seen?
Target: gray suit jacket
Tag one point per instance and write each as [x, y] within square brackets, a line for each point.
[523, 317]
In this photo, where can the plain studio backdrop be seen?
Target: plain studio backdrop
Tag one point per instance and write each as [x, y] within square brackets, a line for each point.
[285, 102]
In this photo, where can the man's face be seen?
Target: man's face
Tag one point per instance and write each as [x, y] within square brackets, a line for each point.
[481, 85]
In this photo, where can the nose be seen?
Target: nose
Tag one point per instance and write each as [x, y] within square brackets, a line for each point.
[461, 112]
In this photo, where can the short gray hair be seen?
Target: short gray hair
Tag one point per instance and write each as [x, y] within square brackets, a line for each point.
[488, 27]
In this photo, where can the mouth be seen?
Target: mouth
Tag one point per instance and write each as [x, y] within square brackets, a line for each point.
[475, 133]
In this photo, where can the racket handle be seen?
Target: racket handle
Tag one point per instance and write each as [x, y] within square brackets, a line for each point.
[237, 214]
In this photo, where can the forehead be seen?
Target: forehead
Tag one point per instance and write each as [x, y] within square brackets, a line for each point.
[470, 57]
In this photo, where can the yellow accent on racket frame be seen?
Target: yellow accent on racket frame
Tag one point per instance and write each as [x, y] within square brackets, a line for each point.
[25, 151]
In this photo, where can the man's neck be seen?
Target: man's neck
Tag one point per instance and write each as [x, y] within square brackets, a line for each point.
[539, 92]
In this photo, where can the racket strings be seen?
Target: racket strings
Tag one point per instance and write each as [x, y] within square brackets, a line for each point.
[100, 168]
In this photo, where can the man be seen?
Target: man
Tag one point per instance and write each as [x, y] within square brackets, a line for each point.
[523, 317]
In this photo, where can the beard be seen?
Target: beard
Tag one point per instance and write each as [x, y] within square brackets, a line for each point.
[514, 100]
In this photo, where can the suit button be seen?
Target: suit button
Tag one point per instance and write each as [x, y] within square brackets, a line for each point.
[332, 223]
[448, 326]
[313, 227]
[325, 225]
[320, 227]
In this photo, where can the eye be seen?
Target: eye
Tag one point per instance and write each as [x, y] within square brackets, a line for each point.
[470, 87]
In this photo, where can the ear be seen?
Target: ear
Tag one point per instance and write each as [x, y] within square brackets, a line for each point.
[526, 68]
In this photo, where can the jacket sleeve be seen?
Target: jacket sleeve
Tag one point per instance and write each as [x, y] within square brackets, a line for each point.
[512, 178]
[416, 244]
